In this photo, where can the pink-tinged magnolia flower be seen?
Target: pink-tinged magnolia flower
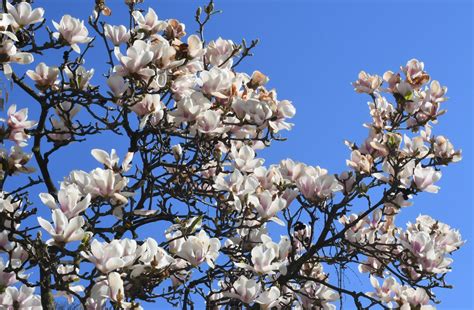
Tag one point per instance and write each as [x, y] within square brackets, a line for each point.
[10, 54]
[209, 122]
[367, 83]
[263, 258]
[112, 256]
[444, 149]
[244, 289]
[73, 31]
[117, 85]
[150, 108]
[312, 292]
[71, 202]
[24, 15]
[414, 73]
[195, 48]
[79, 78]
[136, 61]
[111, 161]
[269, 299]
[253, 110]
[411, 298]
[361, 163]
[218, 53]
[424, 178]
[150, 22]
[188, 108]
[152, 256]
[200, 248]
[117, 34]
[64, 230]
[16, 160]
[217, 82]
[415, 147]
[17, 123]
[6, 278]
[315, 183]
[23, 298]
[244, 159]
[6, 21]
[268, 207]
[385, 293]
[43, 76]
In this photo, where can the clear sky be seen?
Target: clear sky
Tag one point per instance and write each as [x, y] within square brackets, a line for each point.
[311, 51]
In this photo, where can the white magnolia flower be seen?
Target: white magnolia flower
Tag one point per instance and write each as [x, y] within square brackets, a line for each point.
[209, 122]
[268, 207]
[111, 161]
[149, 107]
[112, 256]
[188, 108]
[117, 34]
[244, 159]
[367, 83]
[17, 123]
[263, 260]
[73, 31]
[43, 76]
[23, 298]
[117, 85]
[244, 289]
[217, 82]
[136, 61]
[195, 48]
[200, 248]
[24, 15]
[424, 178]
[70, 200]
[80, 78]
[150, 22]
[218, 53]
[65, 230]
[10, 54]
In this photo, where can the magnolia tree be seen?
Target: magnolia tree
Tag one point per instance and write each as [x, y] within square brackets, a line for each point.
[190, 215]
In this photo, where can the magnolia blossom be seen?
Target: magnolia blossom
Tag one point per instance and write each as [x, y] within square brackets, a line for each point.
[111, 161]
[152, 256]
[117, 85]
[424, 178]
[43, 76]
[112, 256]
[316, 183]
[139, 55]
[65, 230]
[268, 207]
[244, 289]
[71, 202]
[23, 298]
[117, 34]
[361, 163]
[17, 123]
[217, 82]
[24, 15]
[150, 22]
[218, 53]
[150, 107]
[367, 83]
[73, 31]
[79, 78]
[200, 248]
[414, 73]
[209, 122]
[10, 54]
[188, 108]
[244, 159]
[262, 260]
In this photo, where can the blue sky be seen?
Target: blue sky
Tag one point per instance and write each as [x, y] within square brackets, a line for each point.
[312, 50]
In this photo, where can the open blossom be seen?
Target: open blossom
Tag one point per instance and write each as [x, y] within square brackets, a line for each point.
[152, 256]
[244, 289]
[218, 53]
[23, 298]
[268, 207]
[73, 31]
[111, 161]
[79, 78]
[367, 83]
[24, 15]
[65, 230]
[200, 248]
[10, 54]
[424, 178]
[16, 160]
[139, 55]
[117, 85]
[71, 202]
[117, 34]
[312, 292]
[188, 108]
[217, 82]
[209, 122]
[315, 183]
[17, 123]
[114, 255]
[244, 159]
[414, 73]
[149, 107]
[150, 22]
[195, 48]
[361, 163]
[262, 260]
[43, 76]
